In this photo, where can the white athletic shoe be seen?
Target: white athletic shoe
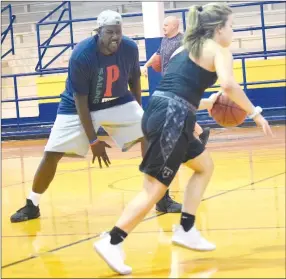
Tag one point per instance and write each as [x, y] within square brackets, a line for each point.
[113, 255]
[191, 239]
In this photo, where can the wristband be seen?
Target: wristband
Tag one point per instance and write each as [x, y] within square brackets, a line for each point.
[93, 142]
[257, 110]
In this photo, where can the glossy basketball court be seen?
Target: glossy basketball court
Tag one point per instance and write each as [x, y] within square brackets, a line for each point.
[243, 212]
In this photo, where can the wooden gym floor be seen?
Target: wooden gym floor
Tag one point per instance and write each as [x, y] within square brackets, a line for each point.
[243, 212]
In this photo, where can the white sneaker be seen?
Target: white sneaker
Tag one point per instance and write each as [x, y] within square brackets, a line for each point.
[191, 239]
[113, 255]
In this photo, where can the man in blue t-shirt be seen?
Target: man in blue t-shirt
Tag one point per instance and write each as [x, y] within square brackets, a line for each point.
[96, 95]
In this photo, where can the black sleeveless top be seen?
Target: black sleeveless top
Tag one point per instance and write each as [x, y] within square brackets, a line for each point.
[186, 79]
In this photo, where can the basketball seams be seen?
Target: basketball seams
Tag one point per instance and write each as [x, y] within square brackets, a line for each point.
[225, 113]
[234, 117]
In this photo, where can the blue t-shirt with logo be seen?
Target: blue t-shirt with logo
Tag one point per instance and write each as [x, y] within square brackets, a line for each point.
[99, 76]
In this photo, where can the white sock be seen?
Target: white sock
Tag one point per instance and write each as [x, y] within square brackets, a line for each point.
[35, 198]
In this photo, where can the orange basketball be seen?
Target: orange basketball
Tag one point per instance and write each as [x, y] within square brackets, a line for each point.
[156, 65]
[227, 113]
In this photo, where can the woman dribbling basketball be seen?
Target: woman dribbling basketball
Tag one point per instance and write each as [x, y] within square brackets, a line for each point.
[168, 125]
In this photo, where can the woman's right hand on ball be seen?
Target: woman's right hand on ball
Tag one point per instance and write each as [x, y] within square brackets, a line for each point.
[261, 121]
[212, 98]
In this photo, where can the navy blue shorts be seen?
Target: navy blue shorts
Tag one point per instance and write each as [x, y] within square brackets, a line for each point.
[168, 126]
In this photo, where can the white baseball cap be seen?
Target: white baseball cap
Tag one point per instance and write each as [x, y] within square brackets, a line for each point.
[107, 18]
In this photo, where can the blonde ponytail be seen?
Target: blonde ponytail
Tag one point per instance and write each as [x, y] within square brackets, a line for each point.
[201, 24]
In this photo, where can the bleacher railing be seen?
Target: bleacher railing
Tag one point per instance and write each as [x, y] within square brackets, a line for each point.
[263, 27]
[19, 123]
[46, 45]
[66, 5]
[43, 69]
[9, 29]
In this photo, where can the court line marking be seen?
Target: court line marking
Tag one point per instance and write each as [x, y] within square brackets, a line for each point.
[92, 167]
[238, 188]
[277, 141]
[69, 171]
[149, 218]
[68, 245]
[218, 149]
[213, 148]
[221, 193]
[138, 232]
